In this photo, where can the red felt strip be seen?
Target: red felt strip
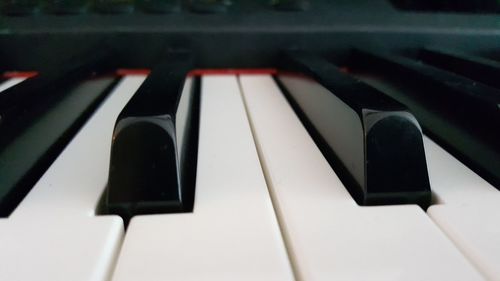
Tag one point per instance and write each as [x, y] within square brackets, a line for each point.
[19, 74]
[126, 71]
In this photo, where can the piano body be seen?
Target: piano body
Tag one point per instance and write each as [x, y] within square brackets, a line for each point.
[249, 140]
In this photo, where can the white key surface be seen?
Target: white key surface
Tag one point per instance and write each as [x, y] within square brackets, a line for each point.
[468, 209]
[454, 183]
[75, 181]
[232, 233]
[11, 82]
[54, 233]
[329, 236]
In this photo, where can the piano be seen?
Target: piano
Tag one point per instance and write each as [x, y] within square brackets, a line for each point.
[145, 140]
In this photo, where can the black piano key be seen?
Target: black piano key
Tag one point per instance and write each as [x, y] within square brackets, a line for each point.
[33, 140]
[159, 6]
[373, 143]
[480, 69]
[153, 154]
[461, 114]
[22, 102]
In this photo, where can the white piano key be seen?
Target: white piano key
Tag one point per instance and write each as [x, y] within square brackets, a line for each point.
[76, 179]
[331, 237]
[59, 248]
[468, 209]
[54, 233]
[454, 183]
[11, 82]
[232, 233]
[475, 229]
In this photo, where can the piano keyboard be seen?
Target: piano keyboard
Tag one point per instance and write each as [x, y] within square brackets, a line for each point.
[10, 83]
[267, 206]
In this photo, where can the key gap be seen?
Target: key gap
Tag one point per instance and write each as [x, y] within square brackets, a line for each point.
[458, 246]
[277, 211]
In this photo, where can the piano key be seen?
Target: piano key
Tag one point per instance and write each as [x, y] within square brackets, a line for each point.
[328, 235]
[54, 233]
[481, 69]
[47, 86]
[59, 248]
[232, 233]
[467, 209]
[459, 113]
[29, 108]
[153, 155]
[468, 96]
[475, 231]
[76, 179]
[30, 150]
[11, 82]
[454, 183]
[373, 142]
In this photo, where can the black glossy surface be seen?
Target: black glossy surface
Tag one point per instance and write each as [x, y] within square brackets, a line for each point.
[159, 6]
[251, 32]
[461, 114]
[292, 5]
[33, 137]
[20, 104]
[209, 6]
[67, 7]
[464, 6]
[153, 155]
[373, 143]
[20, 7]
[480, 69]
[115, 6]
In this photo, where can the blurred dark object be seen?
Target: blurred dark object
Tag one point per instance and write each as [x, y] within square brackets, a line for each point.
[467, 6]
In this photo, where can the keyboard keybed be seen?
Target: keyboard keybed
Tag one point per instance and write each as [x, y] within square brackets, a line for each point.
[268, 206]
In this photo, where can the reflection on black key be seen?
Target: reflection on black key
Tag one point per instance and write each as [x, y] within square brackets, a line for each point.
[373, 143]
[153, 154]
[461, 114]
[53, 106]
[21, 102]
[481, 69]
